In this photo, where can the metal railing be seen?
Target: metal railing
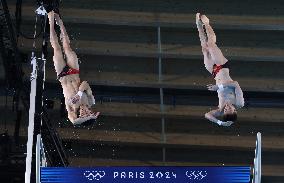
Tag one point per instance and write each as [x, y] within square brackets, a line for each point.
[257, 160]
[162, 107]
[40, 157]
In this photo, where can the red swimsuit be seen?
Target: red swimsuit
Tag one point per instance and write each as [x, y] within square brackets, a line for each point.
[217, 68]
[67, 71]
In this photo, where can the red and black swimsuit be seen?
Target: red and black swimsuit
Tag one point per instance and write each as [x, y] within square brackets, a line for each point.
[217, 68]
[67, 71]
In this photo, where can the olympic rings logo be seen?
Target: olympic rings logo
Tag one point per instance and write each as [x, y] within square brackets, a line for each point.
[196, 175]
[94, 175]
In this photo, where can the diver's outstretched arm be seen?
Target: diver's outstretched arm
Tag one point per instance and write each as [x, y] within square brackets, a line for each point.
[212, 116]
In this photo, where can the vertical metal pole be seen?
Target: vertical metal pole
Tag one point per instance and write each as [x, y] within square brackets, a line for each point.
[257, 161]
[43, 157]
[259, 157]
[163, 135]
[31, 121]
[31, 112]
[160, 55]
[38, 158]
[36, 102]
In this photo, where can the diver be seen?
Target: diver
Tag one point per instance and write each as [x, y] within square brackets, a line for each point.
[229, 92]
[79, 99]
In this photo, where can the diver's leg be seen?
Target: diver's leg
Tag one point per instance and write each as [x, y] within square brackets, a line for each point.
[71, 57]
[208, 62]
[203, 40]
[215, 53]
[211, 36]
[58, 60]
[202, 35]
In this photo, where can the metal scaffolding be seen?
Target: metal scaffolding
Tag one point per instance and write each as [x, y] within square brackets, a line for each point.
[162, 107]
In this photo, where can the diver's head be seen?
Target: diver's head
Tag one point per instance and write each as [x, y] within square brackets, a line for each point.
[230, 112]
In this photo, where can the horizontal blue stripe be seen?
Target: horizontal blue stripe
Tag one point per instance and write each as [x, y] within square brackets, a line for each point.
[220, 174]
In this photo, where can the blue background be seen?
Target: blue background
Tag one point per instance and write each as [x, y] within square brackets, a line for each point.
[183, 174]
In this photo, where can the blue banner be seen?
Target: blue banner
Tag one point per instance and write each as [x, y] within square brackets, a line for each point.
[165, 174]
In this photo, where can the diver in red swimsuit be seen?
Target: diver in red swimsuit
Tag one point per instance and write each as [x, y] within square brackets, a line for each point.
[78, 95]
[229, 92]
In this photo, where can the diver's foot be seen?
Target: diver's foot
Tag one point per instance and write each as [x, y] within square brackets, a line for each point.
[51, 18]
[50, 15]
[204, 19]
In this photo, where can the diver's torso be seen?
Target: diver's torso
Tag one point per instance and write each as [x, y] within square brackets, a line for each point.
[223, 76]
[226, 95]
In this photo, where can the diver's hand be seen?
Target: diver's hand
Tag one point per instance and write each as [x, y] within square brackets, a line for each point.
[212, 87]
[222, 123]
[227, 123]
